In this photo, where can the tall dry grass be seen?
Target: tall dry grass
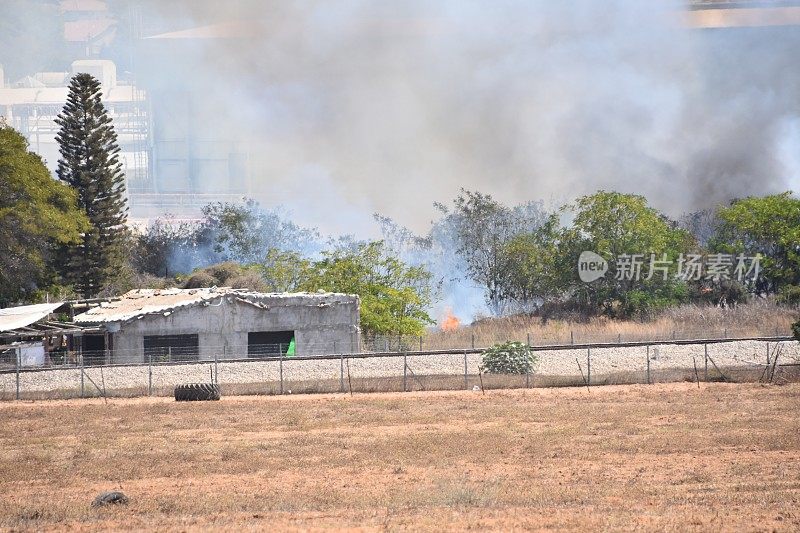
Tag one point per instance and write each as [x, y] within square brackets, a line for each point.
[760, 318]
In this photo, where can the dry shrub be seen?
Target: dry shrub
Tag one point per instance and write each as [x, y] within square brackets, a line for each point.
[249, 280]
[200, 280]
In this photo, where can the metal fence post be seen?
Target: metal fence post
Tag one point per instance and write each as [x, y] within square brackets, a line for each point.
[705, 357]
[767, 353]
[466, 382]
[529, 338]
[420, 343]
[19, 363]
[647, 356]
[588, 366]
[571, 337]
[405, 371]
[280, 369]
[216, 367]
[341, 372]
[82, 389]
[150, 374]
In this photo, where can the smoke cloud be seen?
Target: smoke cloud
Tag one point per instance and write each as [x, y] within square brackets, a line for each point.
[359, 106]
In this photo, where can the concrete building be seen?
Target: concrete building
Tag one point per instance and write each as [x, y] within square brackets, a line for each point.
[201, 324]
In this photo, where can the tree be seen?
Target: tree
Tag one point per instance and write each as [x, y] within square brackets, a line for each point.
[36, 213]
[168, 247]
[536, 273]
[612, 225]
[90, 164]
[394, 296]
[245, 232]
[770, 226]
[484, 227]
[284, 271]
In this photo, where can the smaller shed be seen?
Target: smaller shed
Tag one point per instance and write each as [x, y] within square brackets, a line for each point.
[222, 323]
[29, 336]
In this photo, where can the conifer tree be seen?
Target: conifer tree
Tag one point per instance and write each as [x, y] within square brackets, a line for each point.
[90, 163]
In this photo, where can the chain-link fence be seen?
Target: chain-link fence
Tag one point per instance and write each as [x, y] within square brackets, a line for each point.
[274, 371]
[556, 336]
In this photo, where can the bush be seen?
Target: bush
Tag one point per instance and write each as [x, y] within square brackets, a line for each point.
[796, 330]
[509, 358]
[200, 280]
[250, 281]
[789, 295]
[223, 272]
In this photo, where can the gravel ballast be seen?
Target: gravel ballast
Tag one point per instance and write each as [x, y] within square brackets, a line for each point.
[606, 361]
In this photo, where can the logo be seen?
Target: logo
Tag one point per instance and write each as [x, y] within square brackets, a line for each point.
[591, 267]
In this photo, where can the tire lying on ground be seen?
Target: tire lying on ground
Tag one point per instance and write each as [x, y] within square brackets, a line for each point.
[197, 392]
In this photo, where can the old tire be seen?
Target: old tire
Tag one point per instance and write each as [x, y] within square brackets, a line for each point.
[197, 392]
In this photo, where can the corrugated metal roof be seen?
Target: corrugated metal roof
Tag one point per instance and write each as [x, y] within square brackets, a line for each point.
[25, 315]
[141, 302]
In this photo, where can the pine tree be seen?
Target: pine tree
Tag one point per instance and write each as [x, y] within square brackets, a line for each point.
[90, 164]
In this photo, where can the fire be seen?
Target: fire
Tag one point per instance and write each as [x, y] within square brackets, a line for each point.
[450, 322]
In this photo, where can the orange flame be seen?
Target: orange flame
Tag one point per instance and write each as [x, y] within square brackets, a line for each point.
[450, 322]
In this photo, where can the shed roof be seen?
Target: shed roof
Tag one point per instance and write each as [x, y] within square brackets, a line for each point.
[142, 302]
[19, 317]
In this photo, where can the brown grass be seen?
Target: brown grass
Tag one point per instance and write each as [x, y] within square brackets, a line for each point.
[759, 318]
[665, 457]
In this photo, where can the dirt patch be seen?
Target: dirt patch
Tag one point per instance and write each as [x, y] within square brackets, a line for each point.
[671, 457]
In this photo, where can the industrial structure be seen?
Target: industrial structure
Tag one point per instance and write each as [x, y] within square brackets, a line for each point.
[32, 104]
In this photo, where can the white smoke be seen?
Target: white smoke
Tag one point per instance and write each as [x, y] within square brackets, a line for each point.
[395, 105]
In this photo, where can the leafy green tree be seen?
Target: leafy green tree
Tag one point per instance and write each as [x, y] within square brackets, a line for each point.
[612, 225]
[90, 164]
[36, 213]
[245, 232]
[285, 271]
[483, 229]
[770, 226]
[165, 248]
[394, 297]
[536, 273]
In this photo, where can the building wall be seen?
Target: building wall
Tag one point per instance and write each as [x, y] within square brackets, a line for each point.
[222, 328]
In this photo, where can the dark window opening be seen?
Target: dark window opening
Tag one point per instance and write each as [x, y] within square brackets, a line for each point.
[268, 343]
[172, 347]
[94, 349]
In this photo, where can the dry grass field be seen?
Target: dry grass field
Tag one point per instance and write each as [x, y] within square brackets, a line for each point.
[758, 318]
[662, 457]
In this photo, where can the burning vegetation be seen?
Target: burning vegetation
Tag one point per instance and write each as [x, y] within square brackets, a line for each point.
[449, 322]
